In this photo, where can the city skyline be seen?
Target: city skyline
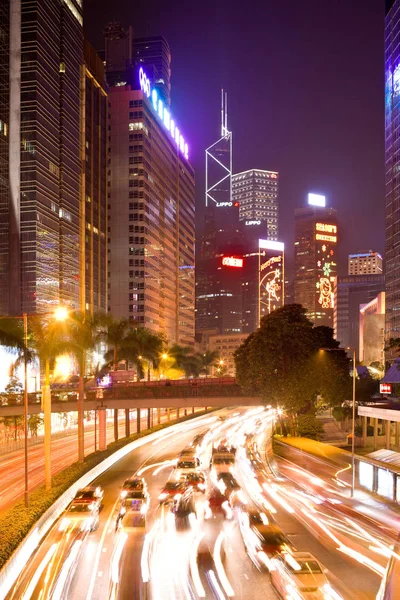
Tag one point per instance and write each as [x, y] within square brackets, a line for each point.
[331, 96]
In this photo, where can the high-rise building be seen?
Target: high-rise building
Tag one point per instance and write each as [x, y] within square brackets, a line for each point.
[40, 211]
[372, 331]
[256, 191]
[151, 212]
[392, 166]
[351, 291]
[93, 225]
[154, 55]
[316, 237]
[220, 251]
[365, 263]
[4, 155]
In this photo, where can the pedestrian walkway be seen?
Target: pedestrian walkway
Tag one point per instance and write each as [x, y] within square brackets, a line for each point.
[332, 433]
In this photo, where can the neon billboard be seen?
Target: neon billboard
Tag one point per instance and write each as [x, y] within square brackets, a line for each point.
[231, 261]
[163, 113]
[270, 276]
[326, 266]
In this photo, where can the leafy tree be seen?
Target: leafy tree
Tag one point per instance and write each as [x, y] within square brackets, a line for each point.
[309, 426]
[13, 424]
[282, 363]
[34, 422]
[12, 333]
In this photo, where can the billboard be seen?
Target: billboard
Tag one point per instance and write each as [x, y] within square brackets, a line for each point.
[270, 276]
[325, 242]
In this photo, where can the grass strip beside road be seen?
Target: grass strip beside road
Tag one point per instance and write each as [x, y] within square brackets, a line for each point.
[18, 521]
[318, 449]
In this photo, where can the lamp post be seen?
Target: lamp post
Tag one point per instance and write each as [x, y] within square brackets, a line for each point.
[353, 428]
[26, 492]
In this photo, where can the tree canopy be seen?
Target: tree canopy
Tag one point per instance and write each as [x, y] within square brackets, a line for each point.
[290, 362]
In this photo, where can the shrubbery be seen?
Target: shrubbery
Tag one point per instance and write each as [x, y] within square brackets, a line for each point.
[18, 521]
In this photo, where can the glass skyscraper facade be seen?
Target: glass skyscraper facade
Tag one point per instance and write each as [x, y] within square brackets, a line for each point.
[256, 191]
[392, 167]
[40, 215]
[4, 152]
[151, 207]
[315, 261]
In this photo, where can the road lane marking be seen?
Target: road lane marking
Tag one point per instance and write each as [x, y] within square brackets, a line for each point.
[98, 553]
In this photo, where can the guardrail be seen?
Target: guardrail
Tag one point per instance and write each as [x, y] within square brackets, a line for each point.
[12, 569]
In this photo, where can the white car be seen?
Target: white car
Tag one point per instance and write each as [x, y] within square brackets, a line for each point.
[301, 575]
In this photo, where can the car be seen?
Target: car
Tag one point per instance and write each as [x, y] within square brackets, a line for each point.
[80, 514]
[302, 572]
[133, 484]
[183, 504]
[170, 490]
[227, 483]
[136, 501]
[91, 494]
[217, 505]
[197, 481]
[262, 537]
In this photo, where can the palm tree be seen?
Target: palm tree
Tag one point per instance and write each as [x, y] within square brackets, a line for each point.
[48, 341]
[115, 336]
[83, 333]
[185, 359]
[208, 359]
[141, 344]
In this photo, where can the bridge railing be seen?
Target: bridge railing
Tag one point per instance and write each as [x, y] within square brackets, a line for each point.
[211, 387]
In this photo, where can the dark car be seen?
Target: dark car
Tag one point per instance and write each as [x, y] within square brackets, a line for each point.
[133, 484]
[197, 481]
[216, 505]
[171, 490]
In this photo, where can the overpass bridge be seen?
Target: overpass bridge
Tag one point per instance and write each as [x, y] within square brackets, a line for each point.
[160, 394]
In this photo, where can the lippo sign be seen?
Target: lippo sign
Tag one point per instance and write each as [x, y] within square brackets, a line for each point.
[231, 261]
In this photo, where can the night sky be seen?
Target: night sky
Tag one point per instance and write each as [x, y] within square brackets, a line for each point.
[305, 83]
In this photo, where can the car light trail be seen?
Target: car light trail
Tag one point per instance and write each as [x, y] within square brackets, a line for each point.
[117, 557]
[274, 494]
[58, 593]
[38, 573]
[167, 463]
[215, 585]
[194, 569]
[219, 566]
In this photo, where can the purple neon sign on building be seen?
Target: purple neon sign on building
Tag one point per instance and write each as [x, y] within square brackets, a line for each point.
[163, 113]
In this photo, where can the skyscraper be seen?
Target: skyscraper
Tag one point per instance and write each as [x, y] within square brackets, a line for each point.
[40, 211]
[316, 237]
[256, 191]
[220, 251]
[154, 55]
[365, 263]
[151, 209]
[352, 291]
[93, 198]
[392, 166]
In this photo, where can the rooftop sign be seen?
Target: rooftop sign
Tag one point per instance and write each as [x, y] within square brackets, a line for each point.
[163, 113]
[270, 245]
[231, 261]
[316, 200]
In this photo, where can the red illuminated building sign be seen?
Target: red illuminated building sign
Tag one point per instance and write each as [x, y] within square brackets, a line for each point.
[385, 388]
[230, 261]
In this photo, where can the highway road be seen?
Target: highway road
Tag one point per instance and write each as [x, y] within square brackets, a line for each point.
[64, 452]
[168, 560]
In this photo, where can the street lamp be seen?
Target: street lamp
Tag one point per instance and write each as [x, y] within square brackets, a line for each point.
[353, 428]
